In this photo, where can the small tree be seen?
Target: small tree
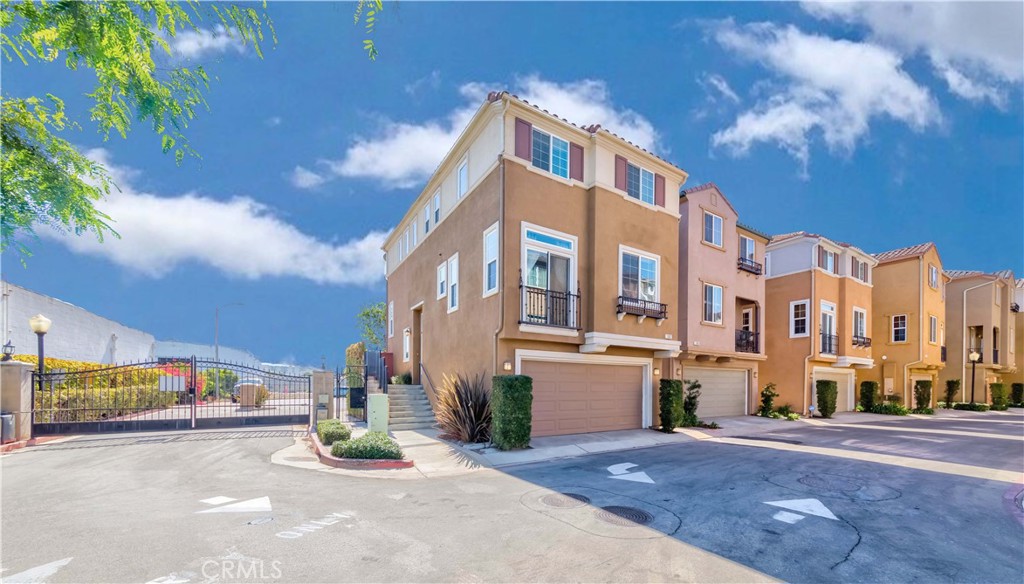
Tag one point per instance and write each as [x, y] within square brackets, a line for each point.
[868, 390]
[998, 397]
[373, 322]
[828, 393]
[690, 402]
[952, 388]
[923, 395]
[670, 404]
[768, 395]
[355, 360]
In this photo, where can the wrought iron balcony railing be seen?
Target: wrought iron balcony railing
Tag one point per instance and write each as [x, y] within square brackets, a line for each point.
[829, 344]
[641, 308]
[1014, 307]
[749, 265]
[549, 307]
[747, 341]
[860, 341]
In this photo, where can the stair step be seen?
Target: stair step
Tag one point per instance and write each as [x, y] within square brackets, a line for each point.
[425, 410]
[424, 420]
[412, 426]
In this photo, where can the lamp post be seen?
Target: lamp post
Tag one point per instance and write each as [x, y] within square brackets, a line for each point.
[8, 351]
[974, 356]
[881, 382]
[40, 325]
[216, 344]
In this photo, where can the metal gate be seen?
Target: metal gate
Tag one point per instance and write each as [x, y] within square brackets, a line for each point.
[170, 394]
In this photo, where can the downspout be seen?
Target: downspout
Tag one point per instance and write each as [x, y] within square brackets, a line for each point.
[810, 327]
[920, 332]
[501, 239]
[963, 340]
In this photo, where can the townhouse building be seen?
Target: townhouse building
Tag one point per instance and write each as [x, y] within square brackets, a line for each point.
[818, 310]
[909, 320]
[981, 319]
[542, 248]
[721, 302]
[1018, 337]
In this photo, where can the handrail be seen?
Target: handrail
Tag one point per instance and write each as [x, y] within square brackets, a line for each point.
[423, 368]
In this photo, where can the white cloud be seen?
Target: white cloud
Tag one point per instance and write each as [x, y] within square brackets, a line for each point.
[304, 178]
[719, 84]
[967, 88]
[239, 237]
[196, 43]
[430, 81]
[404, 154]
[832, 86]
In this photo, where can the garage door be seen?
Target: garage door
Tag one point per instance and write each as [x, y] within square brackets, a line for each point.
[723, 392]
[844, 382]
[571, 398]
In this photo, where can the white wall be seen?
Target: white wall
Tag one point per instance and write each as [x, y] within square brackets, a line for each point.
[791, 257]
[75, 333]
[168, 349]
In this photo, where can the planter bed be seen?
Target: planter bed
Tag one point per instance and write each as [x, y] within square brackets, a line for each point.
[323, 453]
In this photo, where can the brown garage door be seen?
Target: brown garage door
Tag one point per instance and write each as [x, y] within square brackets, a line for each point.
[571, 398]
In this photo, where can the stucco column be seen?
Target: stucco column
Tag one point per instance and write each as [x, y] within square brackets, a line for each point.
[16, 396]
[322, 395]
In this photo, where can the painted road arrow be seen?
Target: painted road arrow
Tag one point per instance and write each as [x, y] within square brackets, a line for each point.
[806, 506]
[621, 472]
[259, 505]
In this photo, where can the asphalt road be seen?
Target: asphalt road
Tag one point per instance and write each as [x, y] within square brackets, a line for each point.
[131, 509]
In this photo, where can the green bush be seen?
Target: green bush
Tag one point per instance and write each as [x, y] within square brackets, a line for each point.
[372, 445]
[403, 379]
[952, 388]
[331, 431]
[894, 399]
[971, 407]
[464, 409]
[999, 403]
[768, 395]
[868, 391]
[784, 410]
[670, 404]
[890, 408]
[828, 393]
[793, 416]
[511, 411]
[691, 400]
[922, 396]
[1017, 393]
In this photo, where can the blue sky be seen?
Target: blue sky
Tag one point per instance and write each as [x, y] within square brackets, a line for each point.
[879, 124]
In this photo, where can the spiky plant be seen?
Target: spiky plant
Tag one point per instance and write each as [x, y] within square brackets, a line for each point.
[464, 408]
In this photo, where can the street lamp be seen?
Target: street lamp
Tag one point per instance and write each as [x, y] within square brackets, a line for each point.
[974, 357]
[216, 344]
[40, 325]
[8, 351]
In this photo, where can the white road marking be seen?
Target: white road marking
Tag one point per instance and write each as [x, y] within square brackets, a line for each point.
[808, 506]
[37, 574]
[260, 505]
[787, 517]
[313, 526]
[636, 477]
[924, 439]
[217, 500]
[617, 469]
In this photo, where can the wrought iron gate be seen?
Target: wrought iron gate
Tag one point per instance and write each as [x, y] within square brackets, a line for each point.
[173, 394]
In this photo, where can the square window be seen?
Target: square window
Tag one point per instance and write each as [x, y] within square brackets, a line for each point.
[639, 277]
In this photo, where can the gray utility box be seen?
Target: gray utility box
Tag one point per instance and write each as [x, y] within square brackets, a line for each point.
[6, 428]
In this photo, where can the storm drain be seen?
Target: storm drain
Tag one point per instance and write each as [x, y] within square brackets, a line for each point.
[565, 500]
[624, 516]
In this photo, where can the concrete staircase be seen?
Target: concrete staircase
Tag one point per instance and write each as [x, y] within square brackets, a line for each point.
[409, 408]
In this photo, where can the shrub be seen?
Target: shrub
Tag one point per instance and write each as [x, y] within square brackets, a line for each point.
[998, 397]
[828, 392]
[403, 379]
[670, 404]
[464, 408]
[785, 410]
[868, 391]
[372, 445]
[792, 416]
[922, 396]
[768, 395]
[952, 388]
[331, 431]
[890, 408]
[261, 397]
[1017, 394]
[690, 402]
[894, 399]
[511, 411]
[971, 407]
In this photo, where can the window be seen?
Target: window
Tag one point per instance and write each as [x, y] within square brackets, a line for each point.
[798, 318]
[933, 276]
[639, 276]
[391, 319]
[442, 280]
[827, 260]
[859, 269]
[933, 329]
[437, 207]
[548, 239]
[463, 179]
[406, 342]
[712, 229]
[747, 320]
[426, 219]
[549, 278]
[640, 183]
[712, 303]
[746, 248]
[899, 328]
[860, 323]
[408, 240]
[491, 260]
[453, 283]
[550, 153]
[415, 228]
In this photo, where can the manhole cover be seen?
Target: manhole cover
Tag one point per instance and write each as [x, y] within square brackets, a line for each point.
[624, 516]
[565, 500]
[830, 482]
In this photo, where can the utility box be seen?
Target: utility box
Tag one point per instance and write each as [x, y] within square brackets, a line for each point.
[6, 428]
[377, 412]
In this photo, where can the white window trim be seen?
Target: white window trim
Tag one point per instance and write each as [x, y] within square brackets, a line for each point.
[856, 310]
[442, 270]
[426, 220]
[654, 185]
[721, 232]
[391, 319]
[934, 338]
[749, 313]
[406, 345]
[497, 261]
[437, 208]
[835, 317]
[624, 249]
[453, 279]
[807, 316]
[541, 246]
[551, 153]
[933, 269]
[461, 189]
[753, 247]
[892, 328]
[703, 301]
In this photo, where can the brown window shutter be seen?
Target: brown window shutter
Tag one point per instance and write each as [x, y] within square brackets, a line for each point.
[524, 139]
[620, 172]
[659, 190]
[576, 162]
[821, 257]
[854, 269]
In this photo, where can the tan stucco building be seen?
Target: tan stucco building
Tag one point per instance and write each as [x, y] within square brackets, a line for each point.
[817, 318]
[909, 320]
[721, 302]
[980, 317]
[543, 248]
[1018, 318]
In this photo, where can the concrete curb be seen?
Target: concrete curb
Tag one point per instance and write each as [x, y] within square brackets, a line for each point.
[323, 453]
[11, 446]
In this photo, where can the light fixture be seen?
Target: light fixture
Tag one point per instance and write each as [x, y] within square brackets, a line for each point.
[657, 371]
[974, 356]
[40, 324]
[507, 366]
[8, 351]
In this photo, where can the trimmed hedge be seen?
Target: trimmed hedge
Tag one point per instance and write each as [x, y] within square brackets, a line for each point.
[952, 388]
[828, 393]
[768, 395]
[868, 390]
[999, 403]
[670, 404]
[372, 445]
[975, 407]
[1017, 394]
[331, 431]
[890, 408]
[690, 402]
[511, 411]
[922, 396]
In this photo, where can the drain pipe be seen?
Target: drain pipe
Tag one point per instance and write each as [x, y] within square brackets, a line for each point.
[501, 240]
[810, 336]
[963, 343]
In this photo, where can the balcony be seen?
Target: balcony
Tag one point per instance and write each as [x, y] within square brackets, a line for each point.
[549, 308]
[747, 341]
[942, 353]
[860, 341]
[1014, 307]
[829, 344]
[641, 309]
[749, 265]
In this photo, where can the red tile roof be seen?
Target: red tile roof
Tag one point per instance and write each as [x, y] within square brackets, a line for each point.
[903, 252]
[959, 274]
[700, 187]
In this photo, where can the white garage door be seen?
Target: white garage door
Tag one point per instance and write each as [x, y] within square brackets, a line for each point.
[723, 392]
[844, 382]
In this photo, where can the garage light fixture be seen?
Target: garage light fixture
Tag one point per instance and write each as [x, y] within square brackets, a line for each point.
[507, 365]
[657, 371]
